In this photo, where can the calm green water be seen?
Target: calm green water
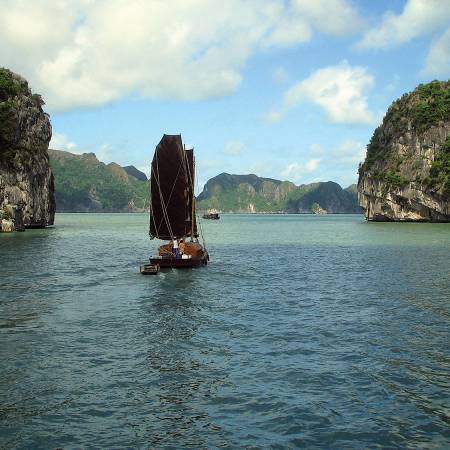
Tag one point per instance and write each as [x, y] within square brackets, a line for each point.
[302, 332]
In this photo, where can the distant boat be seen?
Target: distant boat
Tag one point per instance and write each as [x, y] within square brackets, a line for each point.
[172, 209]
[211, 214]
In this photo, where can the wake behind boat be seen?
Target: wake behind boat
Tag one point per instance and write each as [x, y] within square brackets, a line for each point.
[172, 209]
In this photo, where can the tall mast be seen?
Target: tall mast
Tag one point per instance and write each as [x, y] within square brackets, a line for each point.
[193, 196]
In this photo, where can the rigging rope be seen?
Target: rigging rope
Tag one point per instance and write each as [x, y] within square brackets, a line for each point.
[199, 222]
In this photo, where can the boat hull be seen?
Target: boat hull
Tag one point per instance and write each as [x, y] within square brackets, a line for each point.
[180, 263]
[212, 216]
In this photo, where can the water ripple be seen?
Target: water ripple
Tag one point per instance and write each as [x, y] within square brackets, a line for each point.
[316, 332]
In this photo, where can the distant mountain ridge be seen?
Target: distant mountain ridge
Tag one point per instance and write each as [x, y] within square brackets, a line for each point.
[250, 193]
[85, 184]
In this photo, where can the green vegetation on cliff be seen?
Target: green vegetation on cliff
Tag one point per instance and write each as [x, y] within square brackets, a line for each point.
[11, 85]
[426, 106]
[440, 170]
[83, 183]
[432, 105]
[250, 193]
[412, 116]
[9, 88]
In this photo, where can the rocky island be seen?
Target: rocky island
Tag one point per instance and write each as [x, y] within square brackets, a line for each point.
[406, 174]
[253, 194]
[27, 197]
[85, 184]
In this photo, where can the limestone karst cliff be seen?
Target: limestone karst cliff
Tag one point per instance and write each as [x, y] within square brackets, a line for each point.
[253, 194]
[26, 182]
[406, 174]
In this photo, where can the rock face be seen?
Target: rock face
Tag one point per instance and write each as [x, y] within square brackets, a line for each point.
[26, 181]
[253, 194]
[317, 209]
[406, 174]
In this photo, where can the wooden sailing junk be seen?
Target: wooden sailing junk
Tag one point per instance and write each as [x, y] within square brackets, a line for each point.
[172, 208]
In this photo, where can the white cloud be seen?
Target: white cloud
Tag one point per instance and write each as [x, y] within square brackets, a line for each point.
[234, 148]
[419, 17]
[392, 86]
[312, 165]
[349, 152]
[338, 163]
[291, 30]
[207, 164]
[316, 149]
[438, 59]
[301, 17]
[86, 53]
[273, 116]
[296, 171]
[104, 154]
[341, 164]
[335, 17]
[263, 168]
[339, 90]
[60, 141]
[280, 75]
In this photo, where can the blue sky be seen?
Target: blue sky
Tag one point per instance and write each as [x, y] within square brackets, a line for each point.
[285, 89]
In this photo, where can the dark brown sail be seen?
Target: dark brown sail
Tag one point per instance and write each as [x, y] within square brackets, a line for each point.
[171, 190]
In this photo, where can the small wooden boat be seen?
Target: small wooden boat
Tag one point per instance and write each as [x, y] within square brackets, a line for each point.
[149, 269]
[172, 207]
[211, 216]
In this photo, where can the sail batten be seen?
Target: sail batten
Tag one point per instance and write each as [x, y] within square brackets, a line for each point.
[172, 213]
